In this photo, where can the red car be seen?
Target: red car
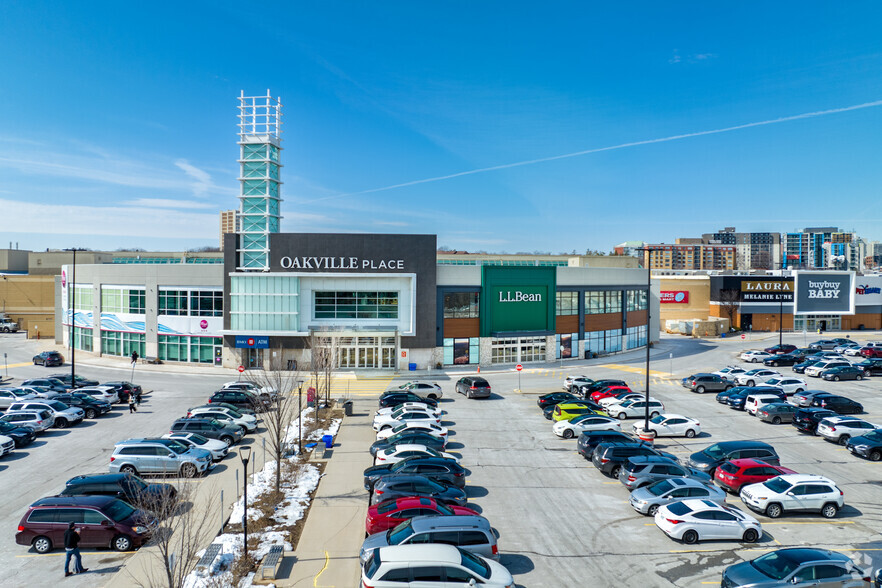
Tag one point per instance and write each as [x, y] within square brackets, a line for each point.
[734, 474]
[385, 515]
[871, 351]
[610, 391]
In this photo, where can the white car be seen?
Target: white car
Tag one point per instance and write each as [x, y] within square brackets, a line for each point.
[105, 393]
[410, 406]
[754, 402]
[729, 373]
[405, 450]
[853, 351]
[38, 420]
[841, 349]
[754, 355]
[461, 567]
[250, 387]
[430, 428]
[585, 422]
[217, 448]
[10, 395]
[422, 389]
[576, 382]
[387, 421]
[842, 428]
[610, 400]
[692, 521]
[757, 376]
[794, 492]
[634, 409]
[790, 386]
[814, 371]
[671, 425]
[7, 444]
[224, 415]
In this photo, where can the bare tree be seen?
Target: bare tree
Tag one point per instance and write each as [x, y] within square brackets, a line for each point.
[323, 363]
[730, 300]
[281, 383]
[176, 520]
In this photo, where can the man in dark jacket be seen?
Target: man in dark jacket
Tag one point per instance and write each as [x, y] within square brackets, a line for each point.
[71, 543]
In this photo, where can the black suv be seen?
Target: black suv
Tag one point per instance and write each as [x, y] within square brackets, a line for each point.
[868, 446]
[806, 419]
[791, 358]
[81, 381]
[872, 366]
[839, 404]
[589, 440]
[609, 456]
[90, 405]
[21, 435]
[128, 487]
[239, 398]
[49, 359]
[555, 398]
[442, 470]
[708, 459]
[702, 383]
[473, 387]
[394, 398]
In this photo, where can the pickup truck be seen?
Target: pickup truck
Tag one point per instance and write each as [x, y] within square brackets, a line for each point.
[8, 326]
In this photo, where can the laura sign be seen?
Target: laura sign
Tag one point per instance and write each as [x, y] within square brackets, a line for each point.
[825, 292]
[674, 297]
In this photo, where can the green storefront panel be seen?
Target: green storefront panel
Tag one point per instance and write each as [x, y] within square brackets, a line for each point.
[517, 299]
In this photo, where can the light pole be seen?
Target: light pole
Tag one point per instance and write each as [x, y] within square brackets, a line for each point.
[646, 263]
[70, 287]
[245, 456]
[299, 417]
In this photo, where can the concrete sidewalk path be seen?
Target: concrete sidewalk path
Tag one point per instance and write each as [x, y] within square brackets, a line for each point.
[327, 554]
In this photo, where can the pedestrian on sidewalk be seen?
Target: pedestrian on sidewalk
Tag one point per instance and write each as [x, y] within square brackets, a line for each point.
[132, 407]
[72, 550]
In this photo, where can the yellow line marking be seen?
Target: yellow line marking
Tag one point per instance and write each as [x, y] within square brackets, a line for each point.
[315, 580]
[23, 364]
[635, 370]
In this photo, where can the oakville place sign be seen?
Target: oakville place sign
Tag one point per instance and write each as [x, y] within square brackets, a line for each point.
[340, 263]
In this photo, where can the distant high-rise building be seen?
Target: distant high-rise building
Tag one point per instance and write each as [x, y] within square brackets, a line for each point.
[229, 223]
[689, 257]
[752, 250]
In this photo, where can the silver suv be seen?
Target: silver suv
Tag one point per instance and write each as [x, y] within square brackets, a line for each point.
[470, 532]
[158, 456]
[63, 415]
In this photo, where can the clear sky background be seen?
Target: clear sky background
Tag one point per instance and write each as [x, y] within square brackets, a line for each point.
[118, 119]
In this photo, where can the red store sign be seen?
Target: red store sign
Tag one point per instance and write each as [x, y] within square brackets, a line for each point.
[678, 297]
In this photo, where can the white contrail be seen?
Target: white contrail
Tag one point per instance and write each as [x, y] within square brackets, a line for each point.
[610, 148]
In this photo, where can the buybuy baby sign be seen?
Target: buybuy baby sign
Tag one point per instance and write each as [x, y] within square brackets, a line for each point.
[825, 292]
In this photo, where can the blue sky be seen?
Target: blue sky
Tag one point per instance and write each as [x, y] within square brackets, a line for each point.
[118, 121]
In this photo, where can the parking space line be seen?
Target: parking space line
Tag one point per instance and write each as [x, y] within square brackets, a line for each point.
[811, 523]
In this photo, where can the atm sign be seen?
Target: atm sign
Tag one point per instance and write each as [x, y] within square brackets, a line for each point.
[677, 297]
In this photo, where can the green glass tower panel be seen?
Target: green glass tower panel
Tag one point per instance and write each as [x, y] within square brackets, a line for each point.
[273, 189]
[273, 207]
[254, 169]
[254, 206]
[254, 224]
[254, 188]
[254, 151]
[517, 299]
[273, 152]
[273, 171]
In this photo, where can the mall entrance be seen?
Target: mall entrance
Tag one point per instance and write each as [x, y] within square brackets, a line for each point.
[365, 352]
[517, 349]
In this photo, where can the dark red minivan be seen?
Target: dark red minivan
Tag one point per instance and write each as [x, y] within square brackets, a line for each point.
[103, 521]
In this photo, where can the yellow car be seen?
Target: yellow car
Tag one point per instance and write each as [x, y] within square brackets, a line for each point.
[570, 410]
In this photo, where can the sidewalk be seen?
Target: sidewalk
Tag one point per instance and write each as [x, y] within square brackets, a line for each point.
[327, 553]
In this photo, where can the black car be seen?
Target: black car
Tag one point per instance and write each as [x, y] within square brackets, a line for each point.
[839, 404]
[589, 440]
[724, 396]
[850, 372]
[239, 398]
[128, 487]
[871, 366]
[90, 405]
[783, 359]
[806, 419]
[124, 389]
[80, 380]
[709, 458]
[51, 383]
[799, 368]
[473, 387]
[868, 446]
[49, 359]
[554, 398]
[21, 435]
[587, 391]
[610, 456]
[394, 398]
[443, 470]
[737, 401]
[416, 485]
[406, 437]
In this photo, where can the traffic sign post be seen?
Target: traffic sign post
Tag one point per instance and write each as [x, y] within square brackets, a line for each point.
[519, 367]
[241, 369]
[742, 336]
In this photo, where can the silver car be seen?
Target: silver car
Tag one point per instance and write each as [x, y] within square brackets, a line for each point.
[10, 395]
[646, 500]
[63, 414]
[643, 470]
[38, 420]
[795, 567]
[158, 456]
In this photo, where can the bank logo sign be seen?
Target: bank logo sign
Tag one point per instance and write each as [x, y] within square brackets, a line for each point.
[825, 293]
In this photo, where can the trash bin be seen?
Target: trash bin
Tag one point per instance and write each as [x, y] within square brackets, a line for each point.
[328, 440]
[347, 408]
[411, 367]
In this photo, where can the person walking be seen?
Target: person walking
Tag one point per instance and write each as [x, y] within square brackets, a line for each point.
[134, 357]
[132, 407]
[72, 550]
[138, 397]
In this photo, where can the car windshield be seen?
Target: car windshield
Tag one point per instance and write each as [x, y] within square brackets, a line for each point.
[657, 419]
[198, 439]
[444, 510]
[56, 405]
[118, 510]
[773, 381]
[775, 565]
[660, 488]
[627, 403]
[874, 436]
[777, 485]
[399, 533]
[134, 484]
[474, 564]
[714, 452]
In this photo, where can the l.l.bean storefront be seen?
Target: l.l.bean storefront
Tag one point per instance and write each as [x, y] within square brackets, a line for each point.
[495, 314]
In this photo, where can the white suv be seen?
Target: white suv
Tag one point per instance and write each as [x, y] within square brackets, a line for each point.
[815, 370]
[842, 428]
[248, 422]
[754, 377]
[794, 492]
[754, 402]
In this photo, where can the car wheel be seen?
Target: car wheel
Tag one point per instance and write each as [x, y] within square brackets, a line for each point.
[188, 470]
[798, 391]
[433, 396]
[700, 389]
[867, 373]
[751, 383]
[690, 433]
[61, 423]
[42, 544]
[90, 413]
[568, 434]
[35, 362]
[750, 536]
[843, 440]
[875, 455]
[614, 473]
[128, 469]
[621, 416]
[829, 511]
[122, 543]
[835, 378]
[774, 510]
[653, 414]
[858, 377]
[227, 439]
[652, 510]
[776, 421]
[774, 364]
[385, 427]
[690, 537]
[468, 394]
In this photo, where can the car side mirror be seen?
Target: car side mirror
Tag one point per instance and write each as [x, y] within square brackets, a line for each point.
[789, 493]
[472, 582]
[172, 455]
[106, 523]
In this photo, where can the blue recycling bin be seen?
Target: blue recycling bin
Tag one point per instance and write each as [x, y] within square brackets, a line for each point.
[328, 440]
[411, 367]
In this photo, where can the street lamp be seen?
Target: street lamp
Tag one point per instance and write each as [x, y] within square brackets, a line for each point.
[70, 286]
[245, 456]
[648, 316]
[299, 416]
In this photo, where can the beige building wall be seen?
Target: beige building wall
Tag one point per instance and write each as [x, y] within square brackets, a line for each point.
[29, 301]
[698, 306]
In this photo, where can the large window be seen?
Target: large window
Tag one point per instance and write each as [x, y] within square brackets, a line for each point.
[173, 303]
[126, 300]
[636, 300]
[206, 303]
[121, 343]
[192, 349]
[603, 341]
[82, 338]
[82, 298]
[567, 303]
[264, 303]
[636, 337]
[603, 302]
[173, 348]
[461, 305]
[356, 305]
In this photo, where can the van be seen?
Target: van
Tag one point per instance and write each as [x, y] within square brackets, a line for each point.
[469, 532]
[755, 401]
[103, 521]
